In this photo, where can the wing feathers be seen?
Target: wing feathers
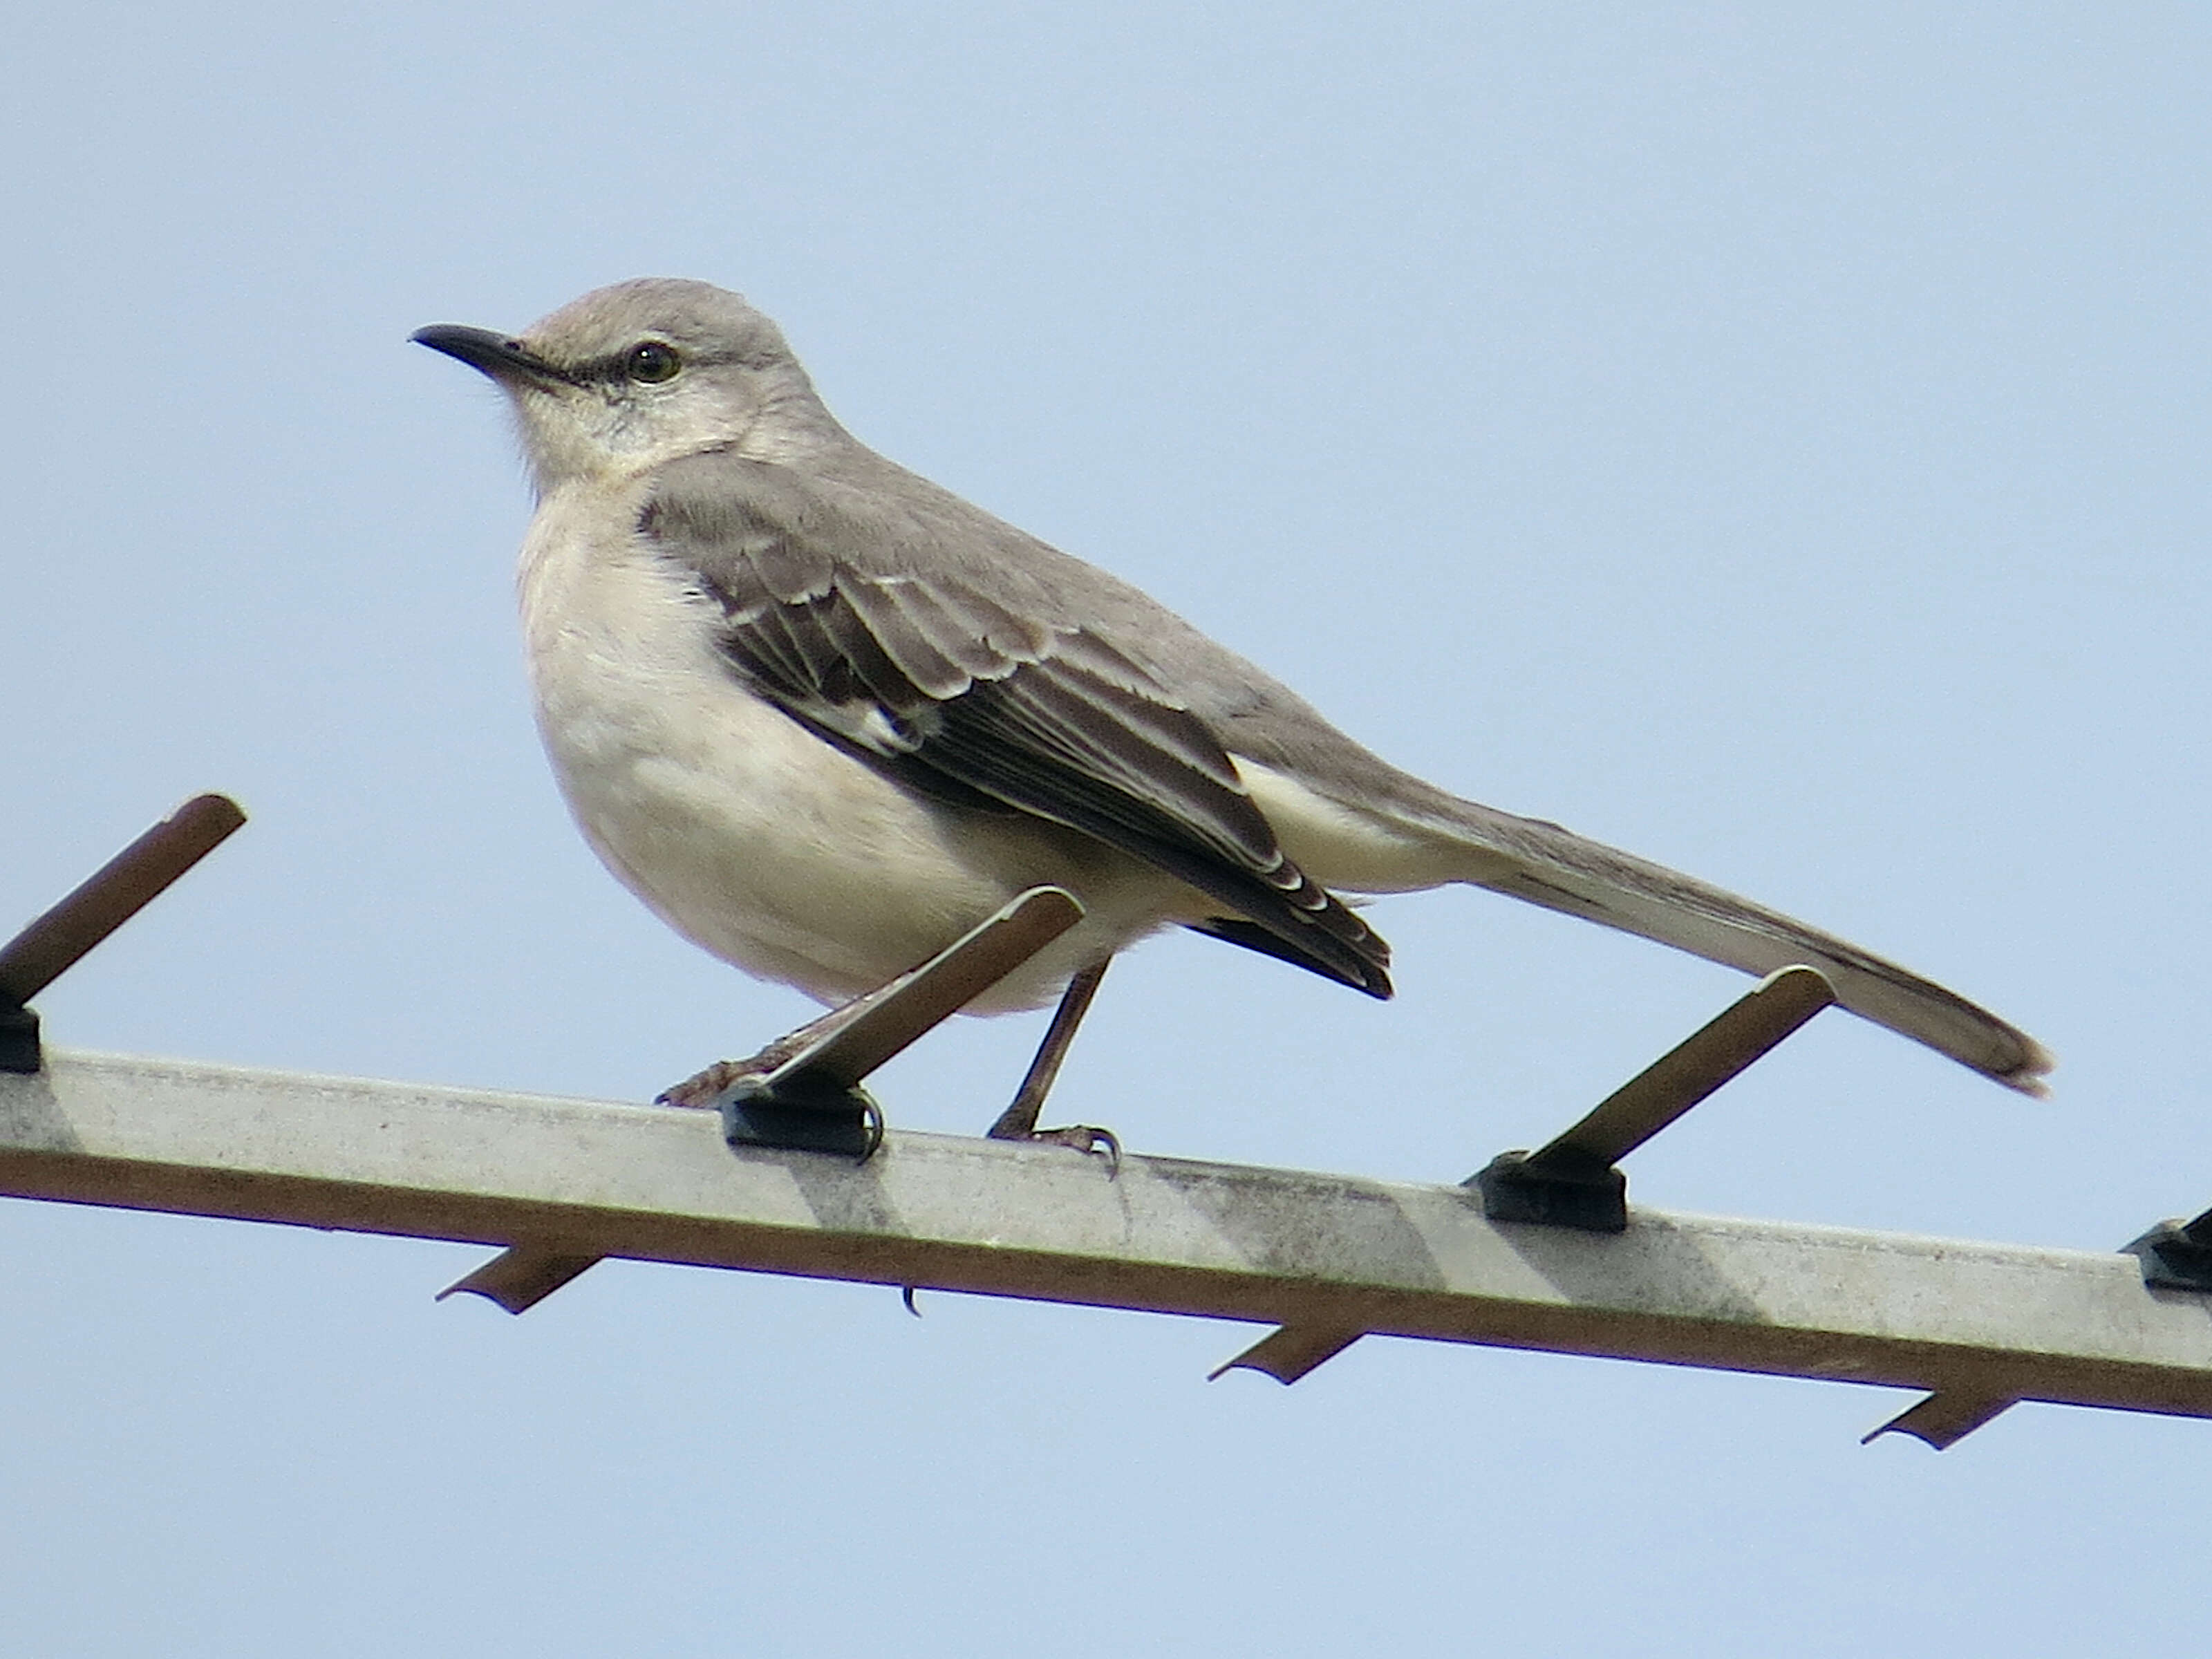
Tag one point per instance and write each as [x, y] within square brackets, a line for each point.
[955, 692]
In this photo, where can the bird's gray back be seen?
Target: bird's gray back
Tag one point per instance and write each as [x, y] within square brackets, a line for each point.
[862, 512]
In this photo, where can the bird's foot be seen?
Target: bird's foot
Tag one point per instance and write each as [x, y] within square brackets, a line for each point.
[702, 1088]
[1083, 1137]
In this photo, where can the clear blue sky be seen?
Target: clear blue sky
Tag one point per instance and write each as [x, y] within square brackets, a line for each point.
[1769, 438]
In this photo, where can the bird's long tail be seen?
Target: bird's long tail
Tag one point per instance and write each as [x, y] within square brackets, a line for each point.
[1389, 832]
[1548, 865]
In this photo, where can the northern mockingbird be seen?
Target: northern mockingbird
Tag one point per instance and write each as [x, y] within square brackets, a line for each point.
[822, 716]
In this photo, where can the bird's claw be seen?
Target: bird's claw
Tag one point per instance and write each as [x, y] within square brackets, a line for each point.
[699, 1091]
[1083, 1138]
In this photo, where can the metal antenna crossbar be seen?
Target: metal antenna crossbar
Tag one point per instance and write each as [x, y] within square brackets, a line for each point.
[56, 941]
[972, 1216]
[1571, 1181]
[1325, 1259]
[803, 1092]
[2175, 1255]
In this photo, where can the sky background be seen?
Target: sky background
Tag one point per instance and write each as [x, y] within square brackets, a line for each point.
[1768, 438]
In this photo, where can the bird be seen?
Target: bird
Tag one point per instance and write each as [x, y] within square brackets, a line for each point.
[822, 715]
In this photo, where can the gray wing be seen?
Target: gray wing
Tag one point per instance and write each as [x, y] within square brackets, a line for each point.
[914, 666]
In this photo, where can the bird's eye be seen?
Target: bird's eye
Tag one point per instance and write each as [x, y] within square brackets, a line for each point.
[652, 362]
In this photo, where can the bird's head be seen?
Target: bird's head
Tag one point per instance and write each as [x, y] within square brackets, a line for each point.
[632, 376]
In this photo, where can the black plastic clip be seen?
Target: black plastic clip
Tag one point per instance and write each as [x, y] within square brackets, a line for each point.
[811, 1100]
[809, 1113]
[99, 904]
[19, 1038]
[2177, 1255]
[1571, 1182]
[1558, 1187]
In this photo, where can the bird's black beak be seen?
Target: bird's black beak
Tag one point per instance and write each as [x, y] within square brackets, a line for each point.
[499, 355]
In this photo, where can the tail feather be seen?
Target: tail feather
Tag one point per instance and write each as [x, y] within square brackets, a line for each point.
[1560, 870]
[1379, 831]
[1557, 870]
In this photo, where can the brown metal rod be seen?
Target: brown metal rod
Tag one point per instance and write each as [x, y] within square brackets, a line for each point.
[886, 1021]
[113, 894]
[1686, 1074]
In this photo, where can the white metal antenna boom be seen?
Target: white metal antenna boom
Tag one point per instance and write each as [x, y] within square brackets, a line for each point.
[1539, 1251]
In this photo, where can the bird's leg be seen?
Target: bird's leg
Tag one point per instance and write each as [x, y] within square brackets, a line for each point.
[1018, 1120]
[702, 1088]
